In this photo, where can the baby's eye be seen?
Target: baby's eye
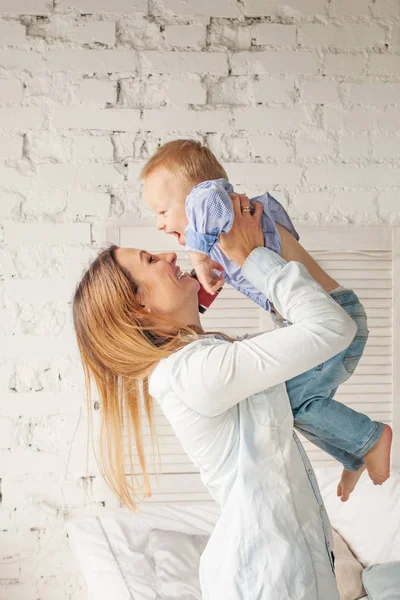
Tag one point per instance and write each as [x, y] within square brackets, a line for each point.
[151, 259]
[162, 212]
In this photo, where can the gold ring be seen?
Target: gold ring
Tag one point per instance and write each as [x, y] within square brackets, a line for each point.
[246, 209]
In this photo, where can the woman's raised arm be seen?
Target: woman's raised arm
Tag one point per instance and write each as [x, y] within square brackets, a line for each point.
[212, 378]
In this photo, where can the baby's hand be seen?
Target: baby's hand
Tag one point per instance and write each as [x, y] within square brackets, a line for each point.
[204, 267]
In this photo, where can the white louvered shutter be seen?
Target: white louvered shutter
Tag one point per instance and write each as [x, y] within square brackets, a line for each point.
[363, 259]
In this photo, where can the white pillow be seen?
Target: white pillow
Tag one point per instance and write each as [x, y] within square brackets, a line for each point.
[348, 570]
[177, 559]
[113, 549]
[370, 520]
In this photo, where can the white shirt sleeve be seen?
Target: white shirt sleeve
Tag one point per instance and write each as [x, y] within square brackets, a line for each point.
[212, 378]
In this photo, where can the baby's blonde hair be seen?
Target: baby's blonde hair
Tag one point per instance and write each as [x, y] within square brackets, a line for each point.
[188, 159]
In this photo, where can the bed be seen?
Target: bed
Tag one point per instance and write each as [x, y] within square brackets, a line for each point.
[155, 553]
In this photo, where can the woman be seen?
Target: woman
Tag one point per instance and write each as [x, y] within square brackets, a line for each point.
[138, 328]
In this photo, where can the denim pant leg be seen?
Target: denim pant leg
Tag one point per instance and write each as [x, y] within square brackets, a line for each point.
[345, 434]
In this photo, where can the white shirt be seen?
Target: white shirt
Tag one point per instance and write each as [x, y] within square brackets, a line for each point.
[228, 406]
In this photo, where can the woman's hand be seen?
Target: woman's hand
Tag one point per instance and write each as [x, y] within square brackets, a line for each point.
[246, 232]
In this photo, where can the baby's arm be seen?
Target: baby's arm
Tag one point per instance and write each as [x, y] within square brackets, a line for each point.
[293, 250]
[209, 211]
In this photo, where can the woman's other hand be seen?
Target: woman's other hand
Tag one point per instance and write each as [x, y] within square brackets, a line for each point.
[246, 232]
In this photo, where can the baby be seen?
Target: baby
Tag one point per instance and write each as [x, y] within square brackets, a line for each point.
[188, 189]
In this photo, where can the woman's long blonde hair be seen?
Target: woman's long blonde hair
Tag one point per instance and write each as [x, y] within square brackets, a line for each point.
[120, 344]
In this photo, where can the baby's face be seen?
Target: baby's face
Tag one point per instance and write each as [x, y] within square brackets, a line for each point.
[166, 193]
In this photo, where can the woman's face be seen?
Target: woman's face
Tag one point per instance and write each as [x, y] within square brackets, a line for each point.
[160, 290]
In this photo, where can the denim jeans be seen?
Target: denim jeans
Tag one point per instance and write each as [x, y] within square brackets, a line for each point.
[345, 434]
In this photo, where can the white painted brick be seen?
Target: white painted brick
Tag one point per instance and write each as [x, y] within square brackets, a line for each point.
[306, 202]
[26, 7]
[44, 146]
[28, 463]
[46, 233]
[235, 147]
[274, 90]
[114, 119]
[384, 64]
[148, 92]
[182, 36]
[97, 91]
[233, 36]
[17, 541]
[17, 590]
[320, 92]
[291, 8]
[274, 62]
[284, 119]
[9, 207]
[67, 29]
[133, 172]
[11, 178]
[373, 93]
[388, 8]
[11, 33]
[83, 204]
[95, 173]
[140, 32]
[355, 8]
[92, 146]
[34, 404]
[182, 91]
[275, 35]
[45, 200]
[11, 147]
[215, 63]
[264, 174]
[354, 146]
[386, 146]
[343, 36]
[356, 202]
[360, 118]
[395, 36]
[100, 62]
[181, 120]
[21, 60]
[267, 146]
[104, 6]
[344, 64]
[30, 347]
[102, 32]
[10, 91]
[207, 8]
[338, 175]
[314, 145]
[232, 91]
[7, 429]
[390, 201]
[21, 118]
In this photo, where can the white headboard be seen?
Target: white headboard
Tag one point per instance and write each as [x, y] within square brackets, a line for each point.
[365, 259]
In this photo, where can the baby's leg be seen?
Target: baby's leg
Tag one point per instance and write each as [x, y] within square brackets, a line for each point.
[315, 410]
[353, 466]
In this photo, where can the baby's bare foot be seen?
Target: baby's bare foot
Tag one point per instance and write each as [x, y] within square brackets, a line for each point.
[378, 458]
[348, 482]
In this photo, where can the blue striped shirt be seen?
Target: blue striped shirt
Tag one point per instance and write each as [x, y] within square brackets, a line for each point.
[210, 212]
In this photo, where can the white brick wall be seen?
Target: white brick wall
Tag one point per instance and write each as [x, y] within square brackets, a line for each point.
[301, 98]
